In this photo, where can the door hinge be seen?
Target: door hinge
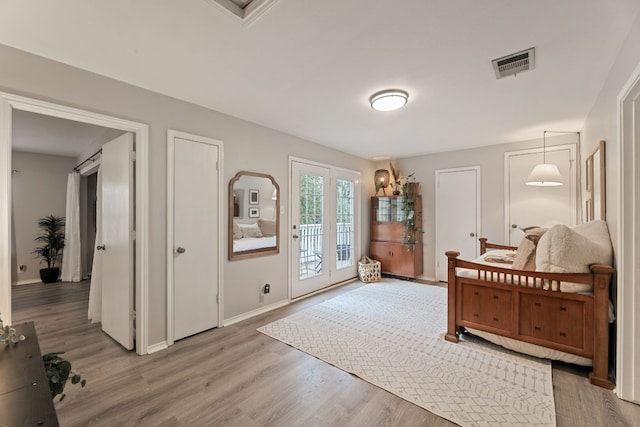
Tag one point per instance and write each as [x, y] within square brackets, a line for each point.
[217, 169]
[217, 298]
[132, 156]
[133, 314]
[132, 234]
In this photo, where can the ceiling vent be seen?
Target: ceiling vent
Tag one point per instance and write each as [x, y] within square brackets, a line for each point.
[515, 63]
[245, 11]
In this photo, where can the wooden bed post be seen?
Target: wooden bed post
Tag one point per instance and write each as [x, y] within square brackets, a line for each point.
[483, 245]
[451, 301]
[602, 278]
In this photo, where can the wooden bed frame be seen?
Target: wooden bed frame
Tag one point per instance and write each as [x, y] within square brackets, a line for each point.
[500, 301]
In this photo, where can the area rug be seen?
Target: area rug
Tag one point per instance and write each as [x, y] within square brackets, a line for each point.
[390, 334]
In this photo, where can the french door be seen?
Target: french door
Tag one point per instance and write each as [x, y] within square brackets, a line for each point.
[324, 226]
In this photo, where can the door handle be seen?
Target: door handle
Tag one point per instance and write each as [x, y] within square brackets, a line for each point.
[100, 247]
[181, 250]
[295, 236]
[472, 234]
[514, 225]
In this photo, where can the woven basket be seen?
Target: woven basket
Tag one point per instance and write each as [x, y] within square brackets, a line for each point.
[369, 270]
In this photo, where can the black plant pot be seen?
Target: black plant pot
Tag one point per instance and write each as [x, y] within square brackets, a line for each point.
[49, 275]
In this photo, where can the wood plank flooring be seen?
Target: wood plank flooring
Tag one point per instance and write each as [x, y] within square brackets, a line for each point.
[235, 376]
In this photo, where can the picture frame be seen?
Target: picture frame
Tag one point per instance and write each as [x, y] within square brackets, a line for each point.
[254, 212]
[589, 177]
[596, 173]
[254, 197]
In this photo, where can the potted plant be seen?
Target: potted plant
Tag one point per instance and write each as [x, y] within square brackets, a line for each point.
[412, 230]
[52, 239]
[58, 371]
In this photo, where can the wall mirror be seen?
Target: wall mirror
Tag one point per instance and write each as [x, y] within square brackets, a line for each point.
[596, 199]
[254, 220]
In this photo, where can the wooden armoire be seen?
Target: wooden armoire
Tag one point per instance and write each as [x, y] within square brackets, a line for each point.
[387, 237]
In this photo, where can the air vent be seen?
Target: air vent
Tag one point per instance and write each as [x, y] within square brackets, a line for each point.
[245, 11]
[515, 63]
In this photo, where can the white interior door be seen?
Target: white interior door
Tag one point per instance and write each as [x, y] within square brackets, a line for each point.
[527, 205]
[196, 232]
[457, 215]
[118, 239]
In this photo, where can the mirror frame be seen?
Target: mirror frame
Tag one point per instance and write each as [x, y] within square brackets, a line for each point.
[596, 184]
[253, 252]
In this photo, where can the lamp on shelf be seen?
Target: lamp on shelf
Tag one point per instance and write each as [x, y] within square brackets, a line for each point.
[382, 180]
[545, 174]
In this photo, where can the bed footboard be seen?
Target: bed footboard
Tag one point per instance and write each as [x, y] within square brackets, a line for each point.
[530, 307]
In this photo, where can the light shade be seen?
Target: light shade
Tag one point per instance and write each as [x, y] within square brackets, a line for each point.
[388, 100]
[545, 175]
[382, 178]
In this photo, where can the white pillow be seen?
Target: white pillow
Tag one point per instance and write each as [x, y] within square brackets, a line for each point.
[237, 231]
[573, 250]
[250, 230]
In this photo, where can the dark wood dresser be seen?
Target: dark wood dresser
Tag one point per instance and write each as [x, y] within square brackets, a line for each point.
[25, 398]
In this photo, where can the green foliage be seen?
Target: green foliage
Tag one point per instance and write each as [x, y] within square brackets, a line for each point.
[59, 371]
[311, 194]
[412, 230]
[52, 238]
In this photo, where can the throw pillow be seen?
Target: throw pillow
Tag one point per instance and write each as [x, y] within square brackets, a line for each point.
[237, 231]
[573, 250]
[268, 228]
[250, 230]
[526, 255]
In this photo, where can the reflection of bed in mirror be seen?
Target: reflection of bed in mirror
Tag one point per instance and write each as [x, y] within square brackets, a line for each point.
[251, 236]
[253, 215]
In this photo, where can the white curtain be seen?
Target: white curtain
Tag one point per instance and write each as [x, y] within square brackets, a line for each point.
[95, 290]
[71, 267]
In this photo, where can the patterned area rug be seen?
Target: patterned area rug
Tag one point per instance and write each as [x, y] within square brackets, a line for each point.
[390, 334]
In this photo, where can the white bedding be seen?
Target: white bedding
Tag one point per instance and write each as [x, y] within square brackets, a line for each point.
[249, 243]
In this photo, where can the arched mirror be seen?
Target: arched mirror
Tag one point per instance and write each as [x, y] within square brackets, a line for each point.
[254, 220]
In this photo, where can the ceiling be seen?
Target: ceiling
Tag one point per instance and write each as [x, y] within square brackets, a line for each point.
[308, 67]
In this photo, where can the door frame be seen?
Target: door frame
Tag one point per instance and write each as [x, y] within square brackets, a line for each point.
[478, 208]
[357, 214]
[10, 102]
[171, 137]
[627, 246]
[572, 147]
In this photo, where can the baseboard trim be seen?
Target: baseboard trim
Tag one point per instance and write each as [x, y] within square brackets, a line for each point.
[153, 348]
[25, 282]
[253, 313]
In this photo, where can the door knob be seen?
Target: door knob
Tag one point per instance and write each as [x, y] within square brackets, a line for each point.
[472, 234]
[181, 250]
[295, 236]
[100, 247]
[514, 225]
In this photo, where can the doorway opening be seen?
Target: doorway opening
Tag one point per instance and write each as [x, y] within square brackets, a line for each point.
[9, 104]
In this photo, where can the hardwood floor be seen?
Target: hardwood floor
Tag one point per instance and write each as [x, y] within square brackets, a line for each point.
[235, 376]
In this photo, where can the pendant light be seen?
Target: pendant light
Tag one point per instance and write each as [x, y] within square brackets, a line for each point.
[545, 174]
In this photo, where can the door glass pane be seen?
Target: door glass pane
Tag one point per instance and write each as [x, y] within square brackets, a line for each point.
[311, 207]
[345, 223]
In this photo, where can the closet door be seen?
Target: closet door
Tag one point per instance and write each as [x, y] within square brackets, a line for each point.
[457, 215]
[195, 253]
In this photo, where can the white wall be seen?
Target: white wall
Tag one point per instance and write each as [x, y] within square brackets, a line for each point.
[39, 189]
[247, 146]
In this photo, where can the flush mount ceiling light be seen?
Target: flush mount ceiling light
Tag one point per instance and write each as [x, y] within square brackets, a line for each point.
[388, 100]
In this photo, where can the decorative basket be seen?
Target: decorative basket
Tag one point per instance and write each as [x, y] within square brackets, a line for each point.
[369, 270]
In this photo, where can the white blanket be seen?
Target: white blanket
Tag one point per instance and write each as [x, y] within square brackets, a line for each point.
[249, 243]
